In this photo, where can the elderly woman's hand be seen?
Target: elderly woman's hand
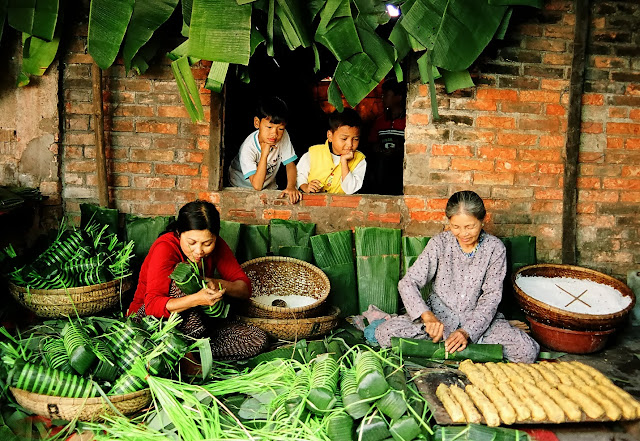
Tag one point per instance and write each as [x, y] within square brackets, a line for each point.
[457, 341]
[432, 326]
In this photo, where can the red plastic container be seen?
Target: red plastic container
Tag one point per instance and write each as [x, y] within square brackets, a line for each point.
[567, 340]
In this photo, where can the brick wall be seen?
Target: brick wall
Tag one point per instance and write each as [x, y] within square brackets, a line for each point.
[504, 139]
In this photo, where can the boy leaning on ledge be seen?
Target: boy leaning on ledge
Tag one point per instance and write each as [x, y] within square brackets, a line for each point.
[335, 166]
[260, 155]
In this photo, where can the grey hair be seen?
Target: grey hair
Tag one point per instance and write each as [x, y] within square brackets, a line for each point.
[467, 202]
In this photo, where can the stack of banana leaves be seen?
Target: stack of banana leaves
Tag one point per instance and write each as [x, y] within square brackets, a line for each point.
[76, 257]
[94, 356]
[318, 390]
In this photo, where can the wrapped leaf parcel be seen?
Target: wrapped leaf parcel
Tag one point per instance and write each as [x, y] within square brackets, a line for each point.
[411, 347]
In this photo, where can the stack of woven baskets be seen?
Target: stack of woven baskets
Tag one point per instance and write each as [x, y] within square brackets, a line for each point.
[285, 276]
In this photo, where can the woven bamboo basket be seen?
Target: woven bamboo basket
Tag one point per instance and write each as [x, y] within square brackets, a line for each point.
[57, 303]
[553, 316]
[283, 276]
[295, 329]
[85, 409]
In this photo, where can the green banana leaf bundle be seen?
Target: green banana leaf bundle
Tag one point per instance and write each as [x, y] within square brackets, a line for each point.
[478, 432]
[230, 232]
[187, 278]
[254, 242]
[411, 249]
[292, 239]
[411, 347]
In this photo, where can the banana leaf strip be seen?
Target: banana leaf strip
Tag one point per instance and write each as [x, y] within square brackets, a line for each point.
[254, 242]
[335, 96]
[296, 17]
[140, 62]
[373, 12]
[143, 231]
[188, 89]
[400, 40]
[376, 241]
[100, 215]
[504, 24]
[477, 432]
[404, 429]
[231, 232]
[217, 74]
[373, 428]
[34, 17]
[456, 80]
[480, 353]
[147, 17]
[336, 30]
[40, 55]
[411, 249]
[220, 30]
[292, 239]
[187, 7]
[108, 21]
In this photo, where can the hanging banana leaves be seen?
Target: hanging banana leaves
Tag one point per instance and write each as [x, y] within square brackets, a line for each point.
[337, 30]
[34, 17]
[188, 88]
[108, 21]
[187, 6]
[3, 15]
[372, 11]
[292, 239]
[147, 17]
[220, 30]
[400, 40]
[217, 74]
[502, 29]
[290, 12]
[456, 80]
[411, 249]
[37, 56]
[254, 242]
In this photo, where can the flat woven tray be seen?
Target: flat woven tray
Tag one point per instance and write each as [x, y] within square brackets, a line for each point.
[57, 303]
[297, 328]
[85, 409]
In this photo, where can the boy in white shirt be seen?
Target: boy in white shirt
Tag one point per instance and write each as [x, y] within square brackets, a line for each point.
[262, 152]
[335, 166]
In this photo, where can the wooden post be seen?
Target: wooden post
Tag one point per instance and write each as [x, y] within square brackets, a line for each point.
[98, 126]
[216, 153]
[574, 119]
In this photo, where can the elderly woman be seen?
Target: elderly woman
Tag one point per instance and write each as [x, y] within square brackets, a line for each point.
[467, 267]
[194, 237]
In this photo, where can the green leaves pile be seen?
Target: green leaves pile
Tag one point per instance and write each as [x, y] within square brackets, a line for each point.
[447, 37]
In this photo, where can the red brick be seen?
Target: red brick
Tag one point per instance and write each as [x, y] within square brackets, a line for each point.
[80, 166]
[451, 150]
[621, 184]
[314, 200]
[471, 164]
[173, 111]
[195, 157]
[548, 194]
[592, 99]
[588, 220]
[604, 62]
[214, 198]
[539, 96]
[426, 216]
[132, 167]
[545, 45]
[185, 183]
[496, 121]
[632, 144]
[555, 109]
[540, 155]
[437, 204]
[556, 59]
[144, 182]
[488, 152]
[153, 209]
[516, 166]
[136, 85]
[550, 124]
[586, 208]
[393, 218]
[537, 180]
[516, 139]
[590, 183]
[509, 107]
[552, 140]
[618, 112]
[157, 127]
[546, 207]
[590, 127]
[633, 90]
[71, 152]
[270, 213]
[413, 149]
[512, 193]
[176, 169]
[487, 105]
[496, 94]
[304, 216]
[175, 143]
[439, 163]
[180, 197]
[345, 201]
[80, 139]
[133, 110]
[79, 59]
[630, 196]
[615, 143]
[414, 203]
[631, 171]
[551, 168]
[418, 119]
[80, 108]
[623, 128]
[130, 194]
[152, 155]
[480, 178]
[244, 214]
[634, 114]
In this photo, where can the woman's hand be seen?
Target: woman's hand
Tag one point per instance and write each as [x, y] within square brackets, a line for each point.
[432, 326]
[209, 297]
[457, 341]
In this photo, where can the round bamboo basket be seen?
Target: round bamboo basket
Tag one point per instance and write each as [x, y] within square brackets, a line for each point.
[283, 276]
[57, 303]
[295, 329]
[85, 409]
[561, 318]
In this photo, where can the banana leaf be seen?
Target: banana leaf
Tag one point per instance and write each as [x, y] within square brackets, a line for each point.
[521, 251]
[477, 432]
[412, 347]
[187, 7]
[147, 17]
[378, 278]
[108, 21]
[535, 3]
[230, 232]
[3, 15]
[375, 241]
[143, 231]
[456, 80]
[411, 249]
[254, 242]
[188, 89]
[34, 17]
[292, 239]
[101, 215]
[9, 200]
[373, 12]
[217, 74]
[504, 24]
[334, 255]
[140, 62]
[334, 96]
[291, 9]
[337, 31]
[400, 40]
[220, 30]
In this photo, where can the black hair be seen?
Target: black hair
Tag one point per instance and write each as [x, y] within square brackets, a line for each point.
[395, 87]
[467, 202]
[197, 215]
[348, 117]
[274, 109]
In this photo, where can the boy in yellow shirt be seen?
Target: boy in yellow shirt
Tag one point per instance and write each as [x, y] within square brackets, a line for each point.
[335, 166]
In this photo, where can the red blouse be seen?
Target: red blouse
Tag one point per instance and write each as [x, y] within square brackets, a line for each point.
[164, 255]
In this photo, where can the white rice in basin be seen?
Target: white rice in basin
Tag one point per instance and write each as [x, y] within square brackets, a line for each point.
[292, 301]
[560, 292]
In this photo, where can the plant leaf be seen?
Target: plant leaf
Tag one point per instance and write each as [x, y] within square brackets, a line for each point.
[270, 19]
[3, 15]
[140, 62]
[337, 30]
[292, 10]
[400, 40]
[372, 11]
[41, 54]
[535, 3]
[187, 7]
[220, 31]
[217, 74]
[288, 31]
[188, 88]
[34, 17]
[504, 24]
[108, 21]
[334, 95]
[147, 17]
[456, 80]
[256, 39]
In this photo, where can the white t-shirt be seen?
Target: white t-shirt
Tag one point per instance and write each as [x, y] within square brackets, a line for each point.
[245, 163]
[350, 184]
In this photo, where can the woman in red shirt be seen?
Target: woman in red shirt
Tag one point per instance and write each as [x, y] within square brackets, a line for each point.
[194, 237]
